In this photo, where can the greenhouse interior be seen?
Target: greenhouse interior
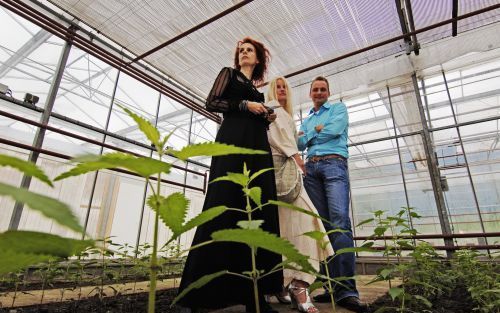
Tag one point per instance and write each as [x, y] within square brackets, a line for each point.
[101, 194]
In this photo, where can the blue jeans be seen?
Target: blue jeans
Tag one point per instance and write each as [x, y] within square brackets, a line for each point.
[327, 184]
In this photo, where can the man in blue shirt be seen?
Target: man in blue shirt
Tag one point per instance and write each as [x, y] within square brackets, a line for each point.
[324, 135]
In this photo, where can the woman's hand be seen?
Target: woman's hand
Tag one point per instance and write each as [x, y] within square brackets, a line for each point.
[299, 162]
[256, 108]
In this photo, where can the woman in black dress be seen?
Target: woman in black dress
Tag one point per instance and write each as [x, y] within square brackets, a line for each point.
[245, 124]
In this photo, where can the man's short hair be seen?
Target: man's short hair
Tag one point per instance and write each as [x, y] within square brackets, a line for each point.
[320, 78]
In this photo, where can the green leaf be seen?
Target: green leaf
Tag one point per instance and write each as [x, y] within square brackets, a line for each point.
[146, 127]
[29, 242]
[378, 213]
[204, 217]
[51, 208]
[261, 239]
[380, 230]
[212, 149]
[316, 235]
[395, 292]
[260, 172]
[172, 210]
[198, 284]
[28, 168]
[255, 193]
[353, 249]
[143, 166]
[365, 222]
[424, 301]
[415, 215]
[386, 272]
[11, 261]
[298, 209]
[236, 178]
[250, 224]
[316, 285]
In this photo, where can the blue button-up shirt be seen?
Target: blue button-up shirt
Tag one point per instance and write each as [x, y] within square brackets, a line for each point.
[332, 139]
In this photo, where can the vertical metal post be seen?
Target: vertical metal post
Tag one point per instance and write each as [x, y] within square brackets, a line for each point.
[433, 170]
[189, 142]
[399, 154]
[40, 134]
[145, 192]
[94, 182]
[465, 157]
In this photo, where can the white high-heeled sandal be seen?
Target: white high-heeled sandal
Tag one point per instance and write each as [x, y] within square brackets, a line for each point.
[306, 307]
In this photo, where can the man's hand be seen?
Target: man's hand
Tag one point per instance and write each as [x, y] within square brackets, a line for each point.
[318, 128]
[271, 117]
[299, 162]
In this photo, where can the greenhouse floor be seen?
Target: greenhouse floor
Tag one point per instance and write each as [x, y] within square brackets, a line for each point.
[368, 294]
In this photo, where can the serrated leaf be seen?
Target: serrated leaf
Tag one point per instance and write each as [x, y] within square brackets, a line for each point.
[260, 172]
[146, 127]
[11, 261]
[172, 210]
[212, 149]
[28, 168]
[424, 301]
[255, 193]
[353, 250]
[386, 272]
[236, 178]
[204, 217]
[316, 235]
[365, 222]
[261, 239]
[395, 292]
[42, 243]
[198, 284]
[380, 230]
[415, 215]
[316, 285]
[250, 224]
[49, 207]
[298, 209]
[142, 166]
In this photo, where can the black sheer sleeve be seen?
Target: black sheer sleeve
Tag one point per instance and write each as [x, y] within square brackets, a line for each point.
[216, 102]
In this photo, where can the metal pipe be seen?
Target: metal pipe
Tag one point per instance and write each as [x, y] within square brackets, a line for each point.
[431, 236]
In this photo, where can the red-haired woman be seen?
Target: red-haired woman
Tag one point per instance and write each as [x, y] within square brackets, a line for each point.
[245, 124]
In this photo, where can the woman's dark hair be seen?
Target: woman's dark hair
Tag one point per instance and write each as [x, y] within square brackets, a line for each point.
[263, 56]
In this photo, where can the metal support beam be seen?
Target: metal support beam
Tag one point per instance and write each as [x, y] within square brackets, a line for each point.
[434, 174]
[94, 182]
[415, 46]
[454, 13]
[31, 45]
[40, 134]
[471, 181]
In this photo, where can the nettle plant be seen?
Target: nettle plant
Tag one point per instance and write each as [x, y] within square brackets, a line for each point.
[253, 236]
[399, 228]
[20, 249]
[172, 209]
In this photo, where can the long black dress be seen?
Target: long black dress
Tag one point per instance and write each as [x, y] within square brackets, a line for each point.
[244, 129]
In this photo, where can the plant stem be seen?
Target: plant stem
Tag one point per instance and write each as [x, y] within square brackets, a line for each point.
[154, 263]
[330, 287]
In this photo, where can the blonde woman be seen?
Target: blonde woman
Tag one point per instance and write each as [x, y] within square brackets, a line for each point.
[282, 137]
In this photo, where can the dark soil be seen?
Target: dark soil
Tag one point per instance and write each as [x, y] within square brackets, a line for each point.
[457, 301]
[126, 303]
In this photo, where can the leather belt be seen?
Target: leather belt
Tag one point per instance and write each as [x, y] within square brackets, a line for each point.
[317, 158]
